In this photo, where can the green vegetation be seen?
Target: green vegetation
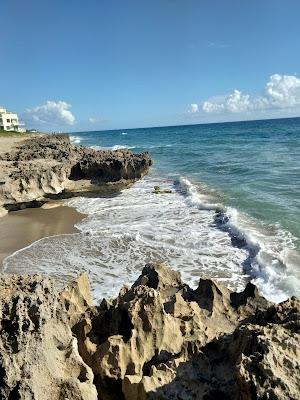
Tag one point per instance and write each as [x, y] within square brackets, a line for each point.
[15, 133]
[9, 133]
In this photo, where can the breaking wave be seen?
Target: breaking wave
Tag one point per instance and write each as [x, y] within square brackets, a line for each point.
[113, 148]
[189, 228]
[75, 139]
[272, 262]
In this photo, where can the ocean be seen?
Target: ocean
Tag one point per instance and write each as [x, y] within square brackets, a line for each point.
[233, 214]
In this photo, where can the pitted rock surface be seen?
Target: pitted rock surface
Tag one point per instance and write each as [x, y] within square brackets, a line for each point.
[160, 339]
[39, 356]
[48, 165]
[157, 340]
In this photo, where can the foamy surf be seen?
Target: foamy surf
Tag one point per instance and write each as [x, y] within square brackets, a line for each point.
[190, 229]
[272, 262]
[113, 148]
[75, 139]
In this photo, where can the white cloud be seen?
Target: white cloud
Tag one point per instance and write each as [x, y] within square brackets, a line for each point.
[93, 120]
[193, 108]
[234, 102]
[281, 92]
[52, 113]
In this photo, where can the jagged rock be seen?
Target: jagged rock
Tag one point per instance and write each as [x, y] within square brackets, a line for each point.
[79, 306]
[78, 299]
[157, 340]
[48, 165]
[39, 357]
[268, 355]
[149, 339]
[238, 346]
[259, 360]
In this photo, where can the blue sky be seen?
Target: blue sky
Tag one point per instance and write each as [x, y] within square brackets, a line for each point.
[87, 65]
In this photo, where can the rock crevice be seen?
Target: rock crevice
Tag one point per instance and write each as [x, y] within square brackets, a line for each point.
[159, 339]
[49, 165]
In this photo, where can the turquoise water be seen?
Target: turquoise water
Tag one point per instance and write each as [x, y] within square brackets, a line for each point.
[254, 165]
[233, 215]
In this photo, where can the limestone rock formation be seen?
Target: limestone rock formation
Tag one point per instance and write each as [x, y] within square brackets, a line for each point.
[80, 311]
[49, 164]
[157, 340]
[160, 339]
[39, 357]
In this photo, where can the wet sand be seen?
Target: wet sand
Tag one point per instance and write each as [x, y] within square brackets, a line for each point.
[19, 229]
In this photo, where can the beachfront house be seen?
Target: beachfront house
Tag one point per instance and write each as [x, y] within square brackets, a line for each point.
[10, 121]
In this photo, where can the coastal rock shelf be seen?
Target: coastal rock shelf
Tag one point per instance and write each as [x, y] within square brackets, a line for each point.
[48, 165]
[159, 339]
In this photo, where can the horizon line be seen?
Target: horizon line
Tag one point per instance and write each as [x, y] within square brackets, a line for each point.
[173, 126]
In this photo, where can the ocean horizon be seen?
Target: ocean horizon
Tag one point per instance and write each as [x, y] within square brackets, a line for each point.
[233, 214]
[182, 125]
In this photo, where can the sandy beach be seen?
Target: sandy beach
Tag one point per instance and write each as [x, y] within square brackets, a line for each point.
[19, 229]
[47, 167]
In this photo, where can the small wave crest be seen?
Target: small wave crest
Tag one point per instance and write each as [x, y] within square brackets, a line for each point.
[190, 229]
[272, 262]
[122, 233]
[114, 148]
[198, 196]
[75, 139]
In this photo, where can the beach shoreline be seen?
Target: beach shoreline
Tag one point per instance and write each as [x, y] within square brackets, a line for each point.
[38, 171]
[19, 229]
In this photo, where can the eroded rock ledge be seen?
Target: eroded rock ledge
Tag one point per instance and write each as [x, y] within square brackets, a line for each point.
[158, 339]
[48, 165]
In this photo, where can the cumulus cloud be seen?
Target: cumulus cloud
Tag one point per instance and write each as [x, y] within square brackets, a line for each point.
[280, 92]
[52, 113]
[234, 102]
[283, 90]
[193, 108]
[93, 120]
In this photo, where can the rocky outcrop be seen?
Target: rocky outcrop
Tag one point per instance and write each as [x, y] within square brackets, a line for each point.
[159, 339]
[39, 356]
[48, 165]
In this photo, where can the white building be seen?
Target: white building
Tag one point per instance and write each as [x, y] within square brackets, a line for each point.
[10, 121]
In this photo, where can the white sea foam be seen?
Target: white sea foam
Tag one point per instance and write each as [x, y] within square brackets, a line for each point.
[188, 229]
[198, 196]
[123, 233]
[120, 147]
[75, 139]
[114, 148]
[273, 263]
[124, 133]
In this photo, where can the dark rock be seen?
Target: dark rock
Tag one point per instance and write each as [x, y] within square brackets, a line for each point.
[48, 165]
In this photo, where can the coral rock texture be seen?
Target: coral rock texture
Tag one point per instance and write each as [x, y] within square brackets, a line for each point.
[159, 339]
[39, 356]
[48, 165]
